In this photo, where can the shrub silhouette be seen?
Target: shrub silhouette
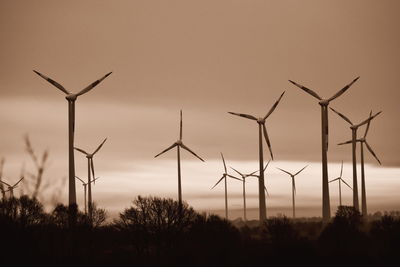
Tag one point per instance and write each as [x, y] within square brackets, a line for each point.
[23, 211]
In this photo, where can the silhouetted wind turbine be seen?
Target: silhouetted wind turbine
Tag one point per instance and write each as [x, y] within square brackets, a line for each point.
[89, 156]
[326, 207]
[224, 175]
[179, 144]
[354, 128]
[84, 189]
[71, 98]
[363, 141]
[261, 128]
[244, 176]
[293, 187]
[12, 187]
[340, 179]
[3, 192]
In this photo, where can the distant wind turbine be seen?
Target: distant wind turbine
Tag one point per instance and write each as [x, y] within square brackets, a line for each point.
[3, 192]
[363, 141]
[340, 179]
[261, 128]
[326, 208]
[12, 187]
[89, 157]
[354, 128]
[71, 98]
[84, 189]
[224, 176]
[293, 187]
[179, 144]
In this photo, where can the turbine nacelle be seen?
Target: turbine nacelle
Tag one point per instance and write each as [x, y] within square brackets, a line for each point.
[260, 120]
[324, 102]
[179, 142]
[71, 97]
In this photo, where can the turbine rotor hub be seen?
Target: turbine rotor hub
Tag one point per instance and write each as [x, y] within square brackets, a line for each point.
[260, 121]
[179, 142]
[71, 97]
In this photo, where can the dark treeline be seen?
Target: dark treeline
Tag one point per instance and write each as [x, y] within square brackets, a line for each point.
[155, 232]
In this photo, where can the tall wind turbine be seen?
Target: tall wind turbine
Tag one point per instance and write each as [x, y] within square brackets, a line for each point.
[12, 187]
[293, 187]
[340, 179]
[179, 144]
[224, 176]
[84, 189]
[261, 129]
[89, 157]
[354, 128]
[363, 141]
[71, 98]
[326, 207]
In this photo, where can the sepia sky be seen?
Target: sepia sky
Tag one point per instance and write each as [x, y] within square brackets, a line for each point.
[207, 58]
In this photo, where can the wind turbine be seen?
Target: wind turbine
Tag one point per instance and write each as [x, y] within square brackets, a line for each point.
[363, 141]
[261, 128]
[224, 175]
[354, 128]
[340, 179]
[3, 192]
[89, 157]
[71, 98]
[293, 187]
[326, 206]
[12, 187]
[179, 144]
[84, 189]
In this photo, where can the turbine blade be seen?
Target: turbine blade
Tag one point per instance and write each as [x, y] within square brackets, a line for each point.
[218, 182]
[5, 183]
[274, 106]
[98, 148]
[341, 169]
[188, 149]
[79, 179]
[180, 132]
[307, 90]
[326, 128]
[369, 119]
[294, 185]
[56, 84]
[372, 152]
[346, 183]
[251, 174]
[223, 160]
[93, 181]
[244, 115]
[334, 180]
[265, 188]
[18, 182]
[92, 85]
[92, 167]
[342, 116]
[165, 150]
[345, 143]
[266, 165]
[82, 151]
[233, 177]
[267, 140]
[369, 122]
[300, 170]
[241, 174]
[344, 89]
[285, 171]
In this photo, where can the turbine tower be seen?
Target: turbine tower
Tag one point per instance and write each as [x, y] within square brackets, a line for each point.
[324, 103]
[340, 179]
[293, 187]
[71, 98]
[261, 129]
[3, 192]
[224, 175]
[363, 141]
[89, 157]
[179, 144]
[84, 189]
[354, 128]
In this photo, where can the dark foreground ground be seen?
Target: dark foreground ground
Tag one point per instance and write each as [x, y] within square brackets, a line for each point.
[152, 232]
